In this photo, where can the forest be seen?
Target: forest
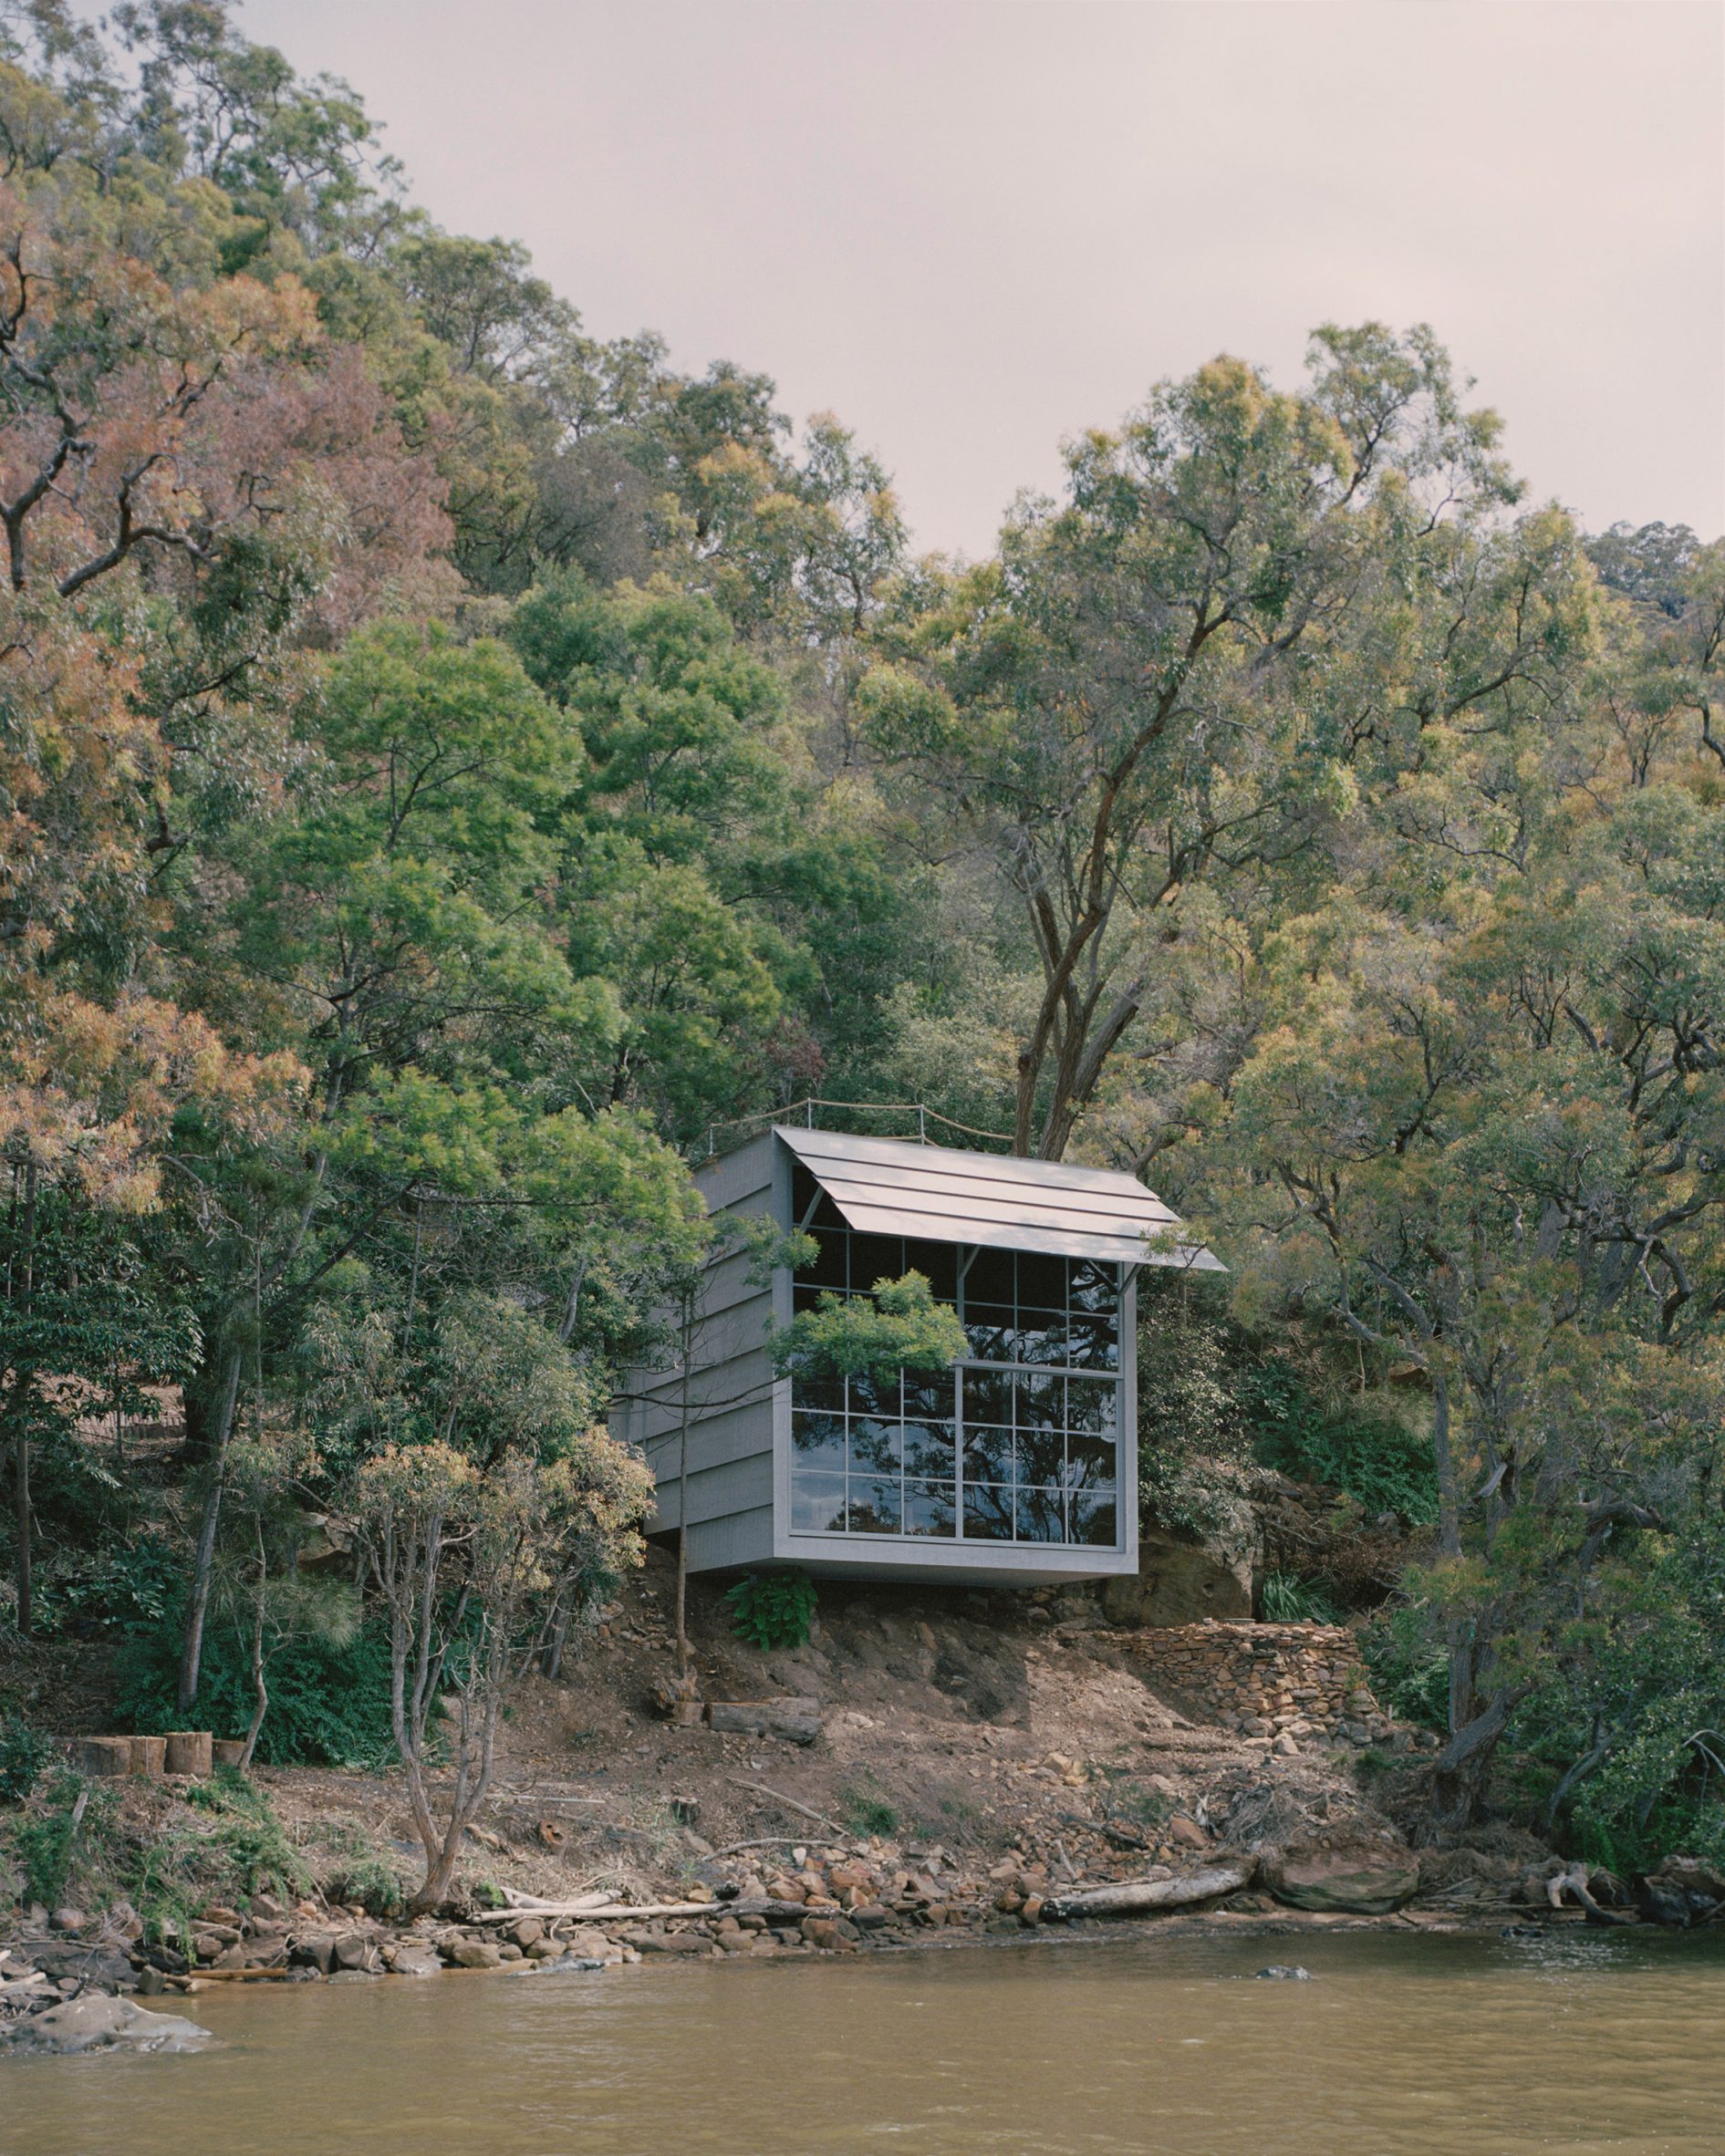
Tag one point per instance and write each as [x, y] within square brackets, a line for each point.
[456, 771]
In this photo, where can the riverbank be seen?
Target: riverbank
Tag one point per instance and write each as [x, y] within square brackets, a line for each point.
[959, 1768]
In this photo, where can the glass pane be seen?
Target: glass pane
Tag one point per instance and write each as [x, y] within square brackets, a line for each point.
[875, 1394]
[992, 1334]
[930, 1448]
[1090, 1463]
[1090, 1404]
[1038, 1513]
[928, 1508]
[827, 1268]
[1042, 1402]
[938, 1265]
[988, 1455]
[988, 1278]
[874, 1506]
[874, 1258]
[818, 1504]
[988, 1396]
[931, 1395]
[988, 1513]
[1094, 1520]
[1041, 1338]
[1094, 1343]
[825, 1394]
[1042, 1280]
[1042, 1457]
[818, 1440]
[876, 1447]
[1095, 1287]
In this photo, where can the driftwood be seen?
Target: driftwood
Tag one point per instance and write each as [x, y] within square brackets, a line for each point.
[1133, 1896]
[798, 1720]
[1576, 1879]
[792, 1804]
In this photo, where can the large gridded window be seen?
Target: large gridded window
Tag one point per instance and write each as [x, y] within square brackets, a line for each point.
[1019, 1445]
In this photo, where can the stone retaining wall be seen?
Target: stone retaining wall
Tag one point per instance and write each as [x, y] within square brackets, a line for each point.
[1266, 1680]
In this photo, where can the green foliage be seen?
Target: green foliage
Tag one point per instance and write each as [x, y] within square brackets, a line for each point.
[246, 1838]
[899, 1325]
[1409, 1671]
[70, 1819]
[135, 1587]
[329, 1699]
[1373, 1458]
[371, 1882]
[866, 1812]
[24, 1753]
[1287, 1599]
[773, 1608]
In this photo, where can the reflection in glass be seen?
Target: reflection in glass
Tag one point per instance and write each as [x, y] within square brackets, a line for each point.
[875, 1447]
[818, 1440]
[1090, 1403]
[1094, 1521]
[928, 1508]
[818, 1504]
[873, 1507]
[1090, 1463]
[930, 1448]
[988, 1455]
[988, 1513]
[988, 1398]
[1038, 1514]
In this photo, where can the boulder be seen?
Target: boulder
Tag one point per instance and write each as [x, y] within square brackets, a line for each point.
[413, 1958]
[1179, 1582]
[473, 1954]
[1354, 1882]
[102, 1967]
[97, 2023]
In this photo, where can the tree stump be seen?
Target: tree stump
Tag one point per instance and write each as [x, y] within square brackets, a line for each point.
[227, 1751]
[189, 1752]
[148, 1756]
[103, 1757]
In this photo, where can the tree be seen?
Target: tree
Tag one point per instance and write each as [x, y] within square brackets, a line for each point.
[1140, 697]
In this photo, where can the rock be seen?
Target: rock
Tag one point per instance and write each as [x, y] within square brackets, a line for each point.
[97, 2023]
[473, 1954]
[355, 1975]
[1179, 1583]
[151, 1983]
[1286, 1747]
[671, 1941]
[526, 1931]
[1187, 1832]
[353, 1950]
[101, 1968]
[316, 1953]
[1285, 1973]
[413, 1959]
[564, 1964]
[67, 1919]
[1355, 1882]
[820, 1931]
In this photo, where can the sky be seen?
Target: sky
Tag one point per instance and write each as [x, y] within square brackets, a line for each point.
[973, 228]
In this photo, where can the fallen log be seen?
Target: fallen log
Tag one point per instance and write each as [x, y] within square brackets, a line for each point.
[1134, 1896]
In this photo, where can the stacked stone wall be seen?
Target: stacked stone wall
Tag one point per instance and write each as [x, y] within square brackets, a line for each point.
[1270, 1681]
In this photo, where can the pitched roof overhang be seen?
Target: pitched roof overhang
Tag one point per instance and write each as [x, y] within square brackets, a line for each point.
[889, 1186]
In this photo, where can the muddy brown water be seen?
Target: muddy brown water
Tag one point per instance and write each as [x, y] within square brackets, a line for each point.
[1441, 2046]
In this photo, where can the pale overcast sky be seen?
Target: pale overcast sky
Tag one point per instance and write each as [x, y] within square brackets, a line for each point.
[971, 227]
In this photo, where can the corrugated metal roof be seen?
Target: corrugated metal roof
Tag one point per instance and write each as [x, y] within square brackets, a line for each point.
[887, 1187]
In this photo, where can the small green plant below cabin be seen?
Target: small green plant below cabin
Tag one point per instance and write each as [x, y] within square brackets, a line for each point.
[772, 1610]
[866, 1812]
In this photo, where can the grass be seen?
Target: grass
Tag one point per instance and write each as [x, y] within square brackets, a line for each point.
[866, 1812]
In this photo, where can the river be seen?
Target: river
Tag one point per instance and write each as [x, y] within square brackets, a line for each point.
[1435, 2046]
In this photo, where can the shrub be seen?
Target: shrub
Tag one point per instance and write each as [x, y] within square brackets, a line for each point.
[773, 1608]
[73, 1815]
[1287, 1599]
[864, 1813]
[1372, 1455]
[24, 1753]
[328, 1698]
[1410, 1675]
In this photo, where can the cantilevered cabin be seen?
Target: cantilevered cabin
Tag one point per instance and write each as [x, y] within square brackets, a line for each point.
[1016, 1466]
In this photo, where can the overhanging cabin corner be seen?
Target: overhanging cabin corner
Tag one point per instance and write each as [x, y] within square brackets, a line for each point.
[1016, 1466]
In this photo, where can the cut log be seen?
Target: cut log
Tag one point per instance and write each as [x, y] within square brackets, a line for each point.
[227, 1751]
[103, 1757]
[189, 1752]
[799, 1720]
[148, 1756]
[1133, 1896]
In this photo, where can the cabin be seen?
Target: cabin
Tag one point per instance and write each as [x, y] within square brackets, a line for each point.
[1016, 1466]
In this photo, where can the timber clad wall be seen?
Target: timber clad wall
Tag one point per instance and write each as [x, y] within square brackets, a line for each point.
[731, 1388]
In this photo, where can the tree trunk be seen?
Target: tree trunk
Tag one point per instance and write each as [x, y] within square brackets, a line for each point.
[260, 1689]
[1459, 1773]
[23, 1389]
[204, 1561]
